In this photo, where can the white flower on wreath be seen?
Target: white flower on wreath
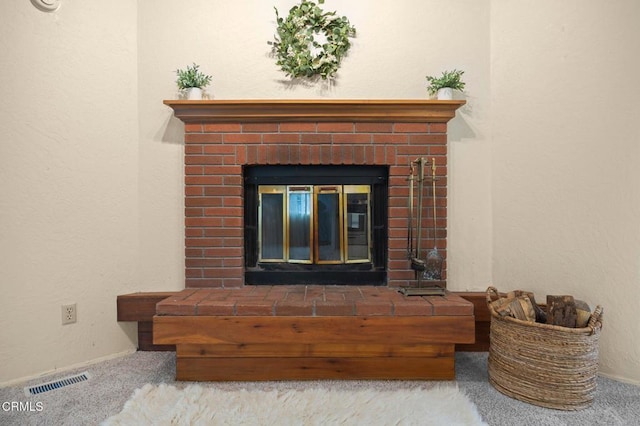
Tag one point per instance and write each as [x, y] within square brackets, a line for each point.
[318, 40]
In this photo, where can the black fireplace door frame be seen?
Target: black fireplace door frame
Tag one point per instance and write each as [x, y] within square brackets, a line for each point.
[373, 273]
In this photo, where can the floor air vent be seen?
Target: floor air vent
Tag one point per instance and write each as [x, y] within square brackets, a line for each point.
[56, 384]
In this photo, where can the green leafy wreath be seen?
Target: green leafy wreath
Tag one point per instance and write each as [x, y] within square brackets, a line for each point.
[311, 42]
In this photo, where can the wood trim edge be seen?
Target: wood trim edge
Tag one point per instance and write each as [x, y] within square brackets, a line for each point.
[265, 110]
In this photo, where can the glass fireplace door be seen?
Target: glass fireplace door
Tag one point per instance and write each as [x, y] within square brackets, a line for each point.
[321, 224]
[300, 216]
[357, 226]
[271, 211]
[328, 227]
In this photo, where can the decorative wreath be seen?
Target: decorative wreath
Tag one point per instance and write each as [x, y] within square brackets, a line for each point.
[311, 42]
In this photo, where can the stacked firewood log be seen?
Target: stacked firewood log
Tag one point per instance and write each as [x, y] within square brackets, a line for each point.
[562, 310]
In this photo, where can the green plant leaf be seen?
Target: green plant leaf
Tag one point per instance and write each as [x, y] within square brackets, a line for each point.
[192, 77]
[452, 79]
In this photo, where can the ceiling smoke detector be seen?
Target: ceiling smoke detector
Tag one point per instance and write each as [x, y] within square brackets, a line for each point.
[46, 5]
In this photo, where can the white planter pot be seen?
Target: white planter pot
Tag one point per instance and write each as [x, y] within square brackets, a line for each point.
[445, 94]
[194, 94]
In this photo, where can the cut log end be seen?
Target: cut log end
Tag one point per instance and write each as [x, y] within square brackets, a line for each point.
[561, 310]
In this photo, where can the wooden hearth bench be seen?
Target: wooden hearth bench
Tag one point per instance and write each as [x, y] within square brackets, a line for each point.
[312, 332]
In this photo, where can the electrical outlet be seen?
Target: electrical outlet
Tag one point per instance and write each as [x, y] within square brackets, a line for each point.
[69, 314]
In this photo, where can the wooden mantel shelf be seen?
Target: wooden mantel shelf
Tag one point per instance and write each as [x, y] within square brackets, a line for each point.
[283, 110]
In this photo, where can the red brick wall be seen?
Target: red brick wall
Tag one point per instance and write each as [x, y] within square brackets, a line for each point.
[215, 154]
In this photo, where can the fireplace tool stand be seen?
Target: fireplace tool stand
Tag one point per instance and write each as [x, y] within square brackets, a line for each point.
[431, 267]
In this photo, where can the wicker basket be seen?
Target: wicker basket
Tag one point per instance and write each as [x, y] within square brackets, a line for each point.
[546, 365]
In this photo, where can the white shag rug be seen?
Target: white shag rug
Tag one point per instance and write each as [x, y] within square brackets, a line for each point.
[200, 405]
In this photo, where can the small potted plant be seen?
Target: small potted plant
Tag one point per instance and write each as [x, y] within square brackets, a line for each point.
[444, 85]
[192, 81]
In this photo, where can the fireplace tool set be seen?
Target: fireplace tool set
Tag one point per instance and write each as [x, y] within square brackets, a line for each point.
[428, 268]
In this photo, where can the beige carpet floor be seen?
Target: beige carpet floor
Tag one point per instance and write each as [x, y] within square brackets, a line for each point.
[113, 382]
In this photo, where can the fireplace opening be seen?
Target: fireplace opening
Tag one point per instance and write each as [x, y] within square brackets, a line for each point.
[315, 224]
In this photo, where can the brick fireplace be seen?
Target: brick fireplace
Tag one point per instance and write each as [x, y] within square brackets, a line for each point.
[245, 156]
[225, 140]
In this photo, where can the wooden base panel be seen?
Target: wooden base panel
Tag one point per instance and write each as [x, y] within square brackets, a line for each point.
[202, 362]
[141, 307]
[222, 348]
[310, 368]
[310, 330]
[482, 339]
[482, 319]
[318, 350]
[145, 339]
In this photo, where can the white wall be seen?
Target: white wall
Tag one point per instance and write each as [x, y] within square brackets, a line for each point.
[566, 143]
[397, 45]
[91, 184]
[68, 182]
